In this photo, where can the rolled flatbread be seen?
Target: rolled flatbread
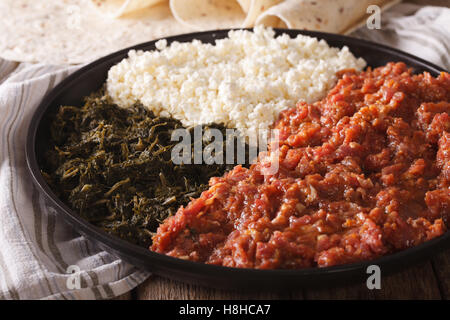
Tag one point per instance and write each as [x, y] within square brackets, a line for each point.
[219, 14]
[71, 32]
[255, 9]
[336, 16]
[119, 8]
[216, 14]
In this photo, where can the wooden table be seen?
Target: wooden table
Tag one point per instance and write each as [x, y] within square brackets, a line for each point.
[427, 280]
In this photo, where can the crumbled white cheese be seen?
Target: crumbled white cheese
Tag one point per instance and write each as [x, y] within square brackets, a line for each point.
[242, 81]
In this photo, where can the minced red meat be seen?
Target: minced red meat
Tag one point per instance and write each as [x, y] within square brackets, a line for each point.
[363, 173]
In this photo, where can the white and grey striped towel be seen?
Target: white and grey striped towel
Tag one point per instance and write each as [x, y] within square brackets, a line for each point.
[36, 246]
[421, 31]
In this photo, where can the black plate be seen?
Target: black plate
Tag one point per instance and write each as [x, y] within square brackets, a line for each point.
[91, 77]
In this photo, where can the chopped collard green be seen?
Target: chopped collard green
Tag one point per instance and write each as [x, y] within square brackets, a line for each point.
[113, 167]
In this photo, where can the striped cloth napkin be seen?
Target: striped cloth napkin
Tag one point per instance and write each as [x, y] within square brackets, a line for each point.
[37, 248]
[421, 31]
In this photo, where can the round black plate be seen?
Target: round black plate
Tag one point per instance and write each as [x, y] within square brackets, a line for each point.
[91, 77]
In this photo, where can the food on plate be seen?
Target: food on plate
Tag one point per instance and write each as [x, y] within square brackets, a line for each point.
[363, 173]
[113, 166]
[362, 158]
[242, 81]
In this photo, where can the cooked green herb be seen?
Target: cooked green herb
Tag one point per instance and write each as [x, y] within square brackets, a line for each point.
[113, 166]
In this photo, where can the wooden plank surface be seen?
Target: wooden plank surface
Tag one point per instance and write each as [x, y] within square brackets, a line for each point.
[157, 288]
[441, 268]
[126, 296]
[428, 280]
[417, 282]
